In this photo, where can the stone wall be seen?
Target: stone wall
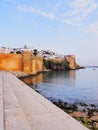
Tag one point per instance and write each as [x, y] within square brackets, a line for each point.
[32, 64]
[11, 62]
[27, 61]
[39, 63]
[17, 62]
[71, 60]
[33, 67]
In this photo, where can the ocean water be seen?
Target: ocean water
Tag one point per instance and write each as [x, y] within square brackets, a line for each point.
[69, 86]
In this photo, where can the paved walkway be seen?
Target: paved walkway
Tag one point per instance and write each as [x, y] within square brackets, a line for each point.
[21, 108]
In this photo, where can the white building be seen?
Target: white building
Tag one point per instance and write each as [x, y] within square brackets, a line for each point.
[6, 50]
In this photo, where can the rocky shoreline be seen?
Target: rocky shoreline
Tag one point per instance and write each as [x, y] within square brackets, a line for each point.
[87, 114]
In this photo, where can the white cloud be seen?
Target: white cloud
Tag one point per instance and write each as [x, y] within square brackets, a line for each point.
[36, 11]
[79, 10]
[84, 7]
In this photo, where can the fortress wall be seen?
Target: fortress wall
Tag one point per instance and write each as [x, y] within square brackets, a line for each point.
[57, 60]
[39, 63]
[71, 60]
[11, 62]
[17, 62]
[34, 71]
[27, 62]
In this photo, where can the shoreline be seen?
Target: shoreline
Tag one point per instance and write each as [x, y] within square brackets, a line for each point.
[21, 74]
[87, 116]
[84, 113]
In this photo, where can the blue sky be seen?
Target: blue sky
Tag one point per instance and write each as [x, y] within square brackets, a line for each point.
[63, 26]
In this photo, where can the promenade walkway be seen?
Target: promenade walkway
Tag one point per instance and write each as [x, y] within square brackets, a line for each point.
[21, 108]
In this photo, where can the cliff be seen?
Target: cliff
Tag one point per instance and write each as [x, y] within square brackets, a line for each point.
[71, 61]
[68, 62]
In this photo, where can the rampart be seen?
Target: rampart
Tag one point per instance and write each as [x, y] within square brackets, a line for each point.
[25, 62]
[71, 60]
[28, 63]
[11, 62]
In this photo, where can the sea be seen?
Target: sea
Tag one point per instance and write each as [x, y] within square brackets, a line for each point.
[70, 86]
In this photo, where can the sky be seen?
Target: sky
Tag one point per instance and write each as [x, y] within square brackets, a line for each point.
[63, 26]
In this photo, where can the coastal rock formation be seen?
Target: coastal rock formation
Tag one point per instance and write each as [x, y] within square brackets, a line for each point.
[71, 61]
[66, 63]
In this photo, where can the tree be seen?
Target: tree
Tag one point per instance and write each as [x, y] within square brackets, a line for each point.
[18, 52]
[50, 64]
[65, 64]
[35, 52]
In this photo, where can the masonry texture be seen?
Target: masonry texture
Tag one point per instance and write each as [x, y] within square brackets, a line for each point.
[71, 60]
[28, 63]
[17, 62]
[11, 62]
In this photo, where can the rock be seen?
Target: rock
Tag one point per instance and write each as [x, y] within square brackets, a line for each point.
[72, 62]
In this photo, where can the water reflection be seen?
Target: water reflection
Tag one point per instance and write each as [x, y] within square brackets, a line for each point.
[73, 85]
[59, 77]
[52, 77]
[33, 79]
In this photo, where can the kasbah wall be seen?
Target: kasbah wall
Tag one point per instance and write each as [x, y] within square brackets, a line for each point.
[25, 62]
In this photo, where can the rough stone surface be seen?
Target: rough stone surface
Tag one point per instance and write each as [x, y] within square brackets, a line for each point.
[25, 62]
[10, 62]
[71, 60]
